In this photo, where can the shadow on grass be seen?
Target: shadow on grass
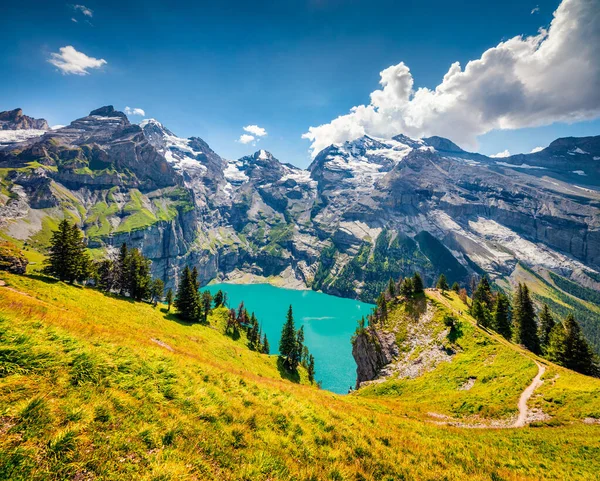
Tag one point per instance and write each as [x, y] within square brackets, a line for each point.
[456, 332]
[233, 334]
[285, 373]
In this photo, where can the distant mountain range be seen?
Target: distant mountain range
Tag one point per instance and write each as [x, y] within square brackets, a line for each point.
[363, 211]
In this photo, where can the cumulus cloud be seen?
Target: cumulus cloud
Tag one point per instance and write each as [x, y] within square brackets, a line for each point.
[501, 155]
[255, 130]
[71, 62]
[134, 111]
[523, 82]
[536, 149]
[88, 12]
[246, 139]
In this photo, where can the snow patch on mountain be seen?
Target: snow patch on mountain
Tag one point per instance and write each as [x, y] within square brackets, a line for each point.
[8, 137]
[234, 173]
[520, 166]
[176, 150]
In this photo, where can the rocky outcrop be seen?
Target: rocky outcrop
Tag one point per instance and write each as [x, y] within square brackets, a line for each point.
[372, 350]
[12, 259]
[15, 120]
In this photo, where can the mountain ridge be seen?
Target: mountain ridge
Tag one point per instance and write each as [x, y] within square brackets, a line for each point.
[362, 212]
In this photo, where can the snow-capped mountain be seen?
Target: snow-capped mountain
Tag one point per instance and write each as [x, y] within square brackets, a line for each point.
[363, 211]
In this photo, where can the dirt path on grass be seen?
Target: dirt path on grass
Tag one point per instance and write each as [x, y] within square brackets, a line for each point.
[523, 409]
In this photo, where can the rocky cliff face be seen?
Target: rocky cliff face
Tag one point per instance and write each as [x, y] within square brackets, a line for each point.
[362, 212]
[372, 350]
[411, 341]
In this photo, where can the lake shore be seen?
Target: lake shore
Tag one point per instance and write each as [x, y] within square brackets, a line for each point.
[286, 279]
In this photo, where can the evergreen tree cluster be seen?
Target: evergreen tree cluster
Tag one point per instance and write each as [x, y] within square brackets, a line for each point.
[257, 341]
[560, 342]
[402, 289]
[129, 274]
[68, 259]
[292, 349]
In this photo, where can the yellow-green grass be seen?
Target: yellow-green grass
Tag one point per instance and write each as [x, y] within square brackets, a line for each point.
[501, 373]
[85, 393]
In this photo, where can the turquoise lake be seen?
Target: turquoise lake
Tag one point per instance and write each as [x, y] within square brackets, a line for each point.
[328, 321]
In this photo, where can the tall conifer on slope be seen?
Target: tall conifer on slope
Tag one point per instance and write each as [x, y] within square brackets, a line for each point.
[442, 283]
[417, 283]
[58, 256]
[501, 316]
[568, 347]
[287, 343]
[546, 325]
[68, 259]
[187, 300]
[525, 330]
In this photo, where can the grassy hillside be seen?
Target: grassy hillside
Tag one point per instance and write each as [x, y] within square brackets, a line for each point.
[96, 387]
[485, 377]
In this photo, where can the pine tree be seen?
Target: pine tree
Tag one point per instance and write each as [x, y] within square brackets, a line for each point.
[206, 304]
[568, 347]
[546, 325]
[265, 345]
[67, 258]
[187, 300]
[169, 299]
[524, 325]
[417, 283]
[442, 283]
[455, 287]
[287, 343]
[311, 368]
[58, 256]
[157, 290]
[391, 289]
[139, 281]
[218, 299]
[382, 307]
[299, 346]
[483, 293]
[578, 354]
[481, 313]
[501, 316]
[81, 262]
[122, 271]
[406, 289]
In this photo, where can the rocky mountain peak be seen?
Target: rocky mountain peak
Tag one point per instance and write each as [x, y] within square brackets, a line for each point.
[108, 111]
[15, 120]
[442, 144]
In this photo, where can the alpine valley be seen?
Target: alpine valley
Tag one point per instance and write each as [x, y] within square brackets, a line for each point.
[363, 212]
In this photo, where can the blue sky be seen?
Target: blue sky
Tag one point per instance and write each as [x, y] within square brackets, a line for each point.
[210, 68]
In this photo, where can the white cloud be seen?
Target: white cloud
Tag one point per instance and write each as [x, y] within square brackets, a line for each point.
[536, 149]
[535, 10]
[523, 82]
[246, 139]
[70, 61]
[74, 20]
[56, 127]
[135, 111]
[88, 12]
[501, 155]
[256, 130]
